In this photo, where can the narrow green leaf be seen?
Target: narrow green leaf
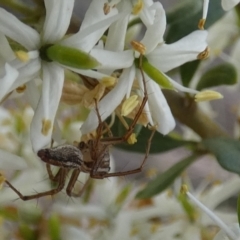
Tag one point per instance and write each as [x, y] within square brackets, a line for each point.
[222, 74]
[160, 143]
[71, 57]
[182, 10]
[187, 71]
[164, 180]
[227, 152]
[156, 75]
[123, 194]
[54, 227]
[238, 209]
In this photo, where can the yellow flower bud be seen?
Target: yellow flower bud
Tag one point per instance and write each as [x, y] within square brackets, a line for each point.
[129, 104]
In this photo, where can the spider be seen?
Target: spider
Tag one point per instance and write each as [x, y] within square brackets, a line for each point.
[92, 157]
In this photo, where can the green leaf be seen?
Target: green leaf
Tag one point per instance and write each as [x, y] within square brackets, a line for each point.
[222, 74]
[227, 152]
[160, 143]
[182, 10]
[164, 180]
[156, 75]
[54, 227]
[238, 209]
[185, 25]
[187, 71]
[71, 57]
[123, 194]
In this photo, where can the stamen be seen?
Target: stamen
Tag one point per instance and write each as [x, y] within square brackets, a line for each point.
[132, 139]
[201, 24]
[106, 8]
[21, 89]
[139, 47]
[207, 95]
[93, 95]
[137, 8]
[73, 93]
[46, 126]
[129, 105]
[204, 54]
[22, 55]
[108, 81]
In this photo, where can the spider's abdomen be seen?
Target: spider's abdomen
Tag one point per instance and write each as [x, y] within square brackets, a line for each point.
[66, 156]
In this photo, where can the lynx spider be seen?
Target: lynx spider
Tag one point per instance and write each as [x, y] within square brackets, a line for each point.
[91, 157]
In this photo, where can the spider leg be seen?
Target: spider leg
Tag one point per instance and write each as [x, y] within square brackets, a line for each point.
[72, 182]
[116, 140]
[137, 170]
[61, 181]
[50, 174]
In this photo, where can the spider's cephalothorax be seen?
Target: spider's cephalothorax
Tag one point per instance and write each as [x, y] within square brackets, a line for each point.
[96, 158]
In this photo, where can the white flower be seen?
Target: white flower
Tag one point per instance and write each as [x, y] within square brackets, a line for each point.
[58, 14]
[162, 56]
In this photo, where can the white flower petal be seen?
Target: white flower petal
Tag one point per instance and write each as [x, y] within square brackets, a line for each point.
[26, 73]
[96, 23]
[180, 87]
[113, 60]
[18, 31]
[123, 226]
[117, 31]
[146, 108]
[74, 233]
[32, 93]
[58, 16]
[168, 56]
[159, 108]
[88, 73]
[148, 13]
[11, 161]
[108, 104]
[220, 193]
[228, 4]
[221, 235]
[192, 232]
[53, 78]
[155, 31]
[7, 80]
